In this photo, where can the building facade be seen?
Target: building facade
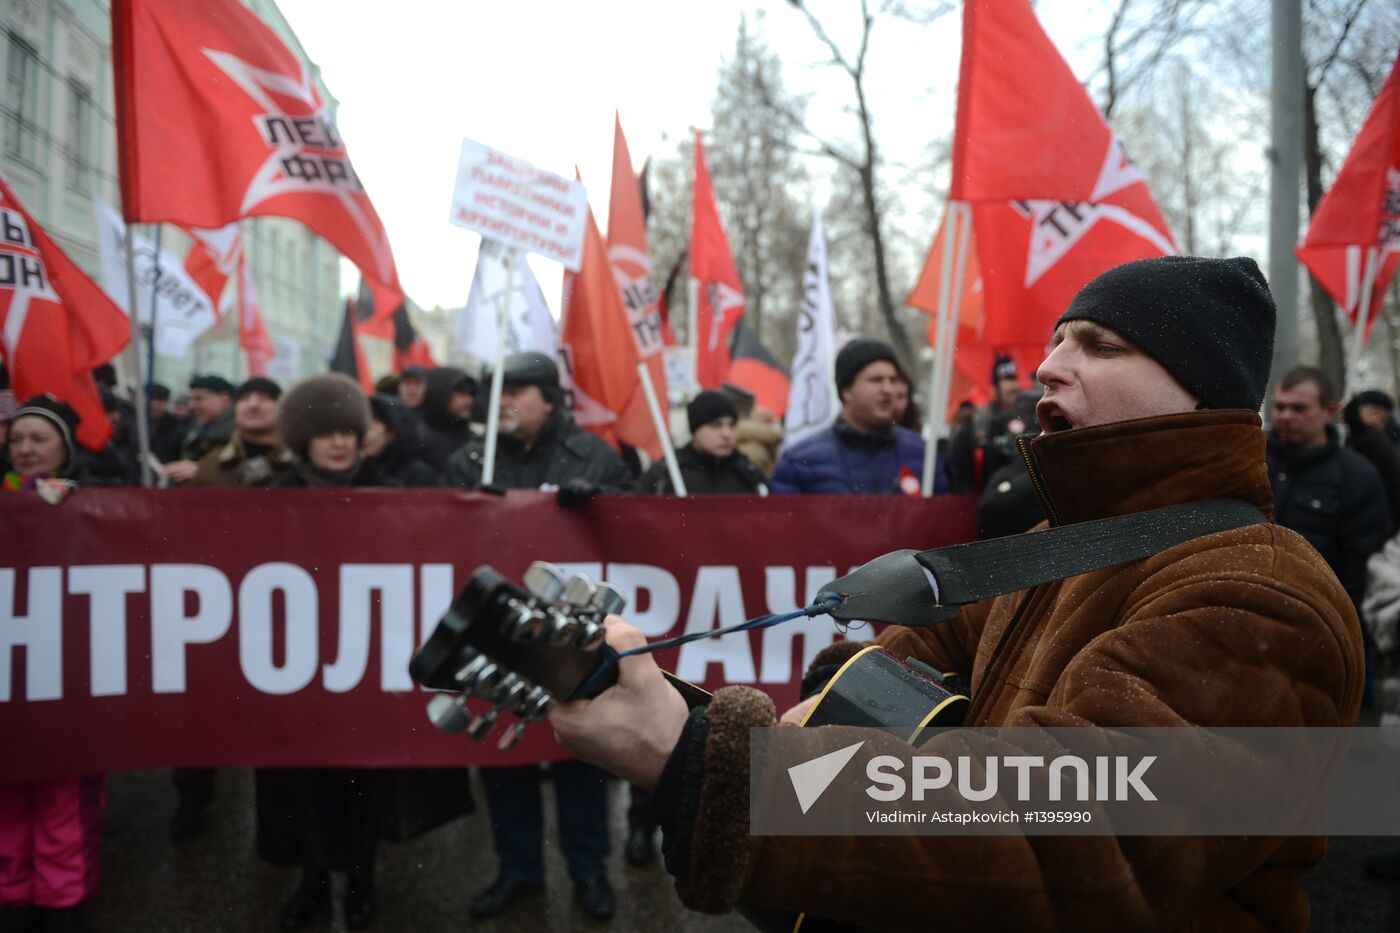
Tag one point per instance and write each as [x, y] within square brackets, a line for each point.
[58, 149]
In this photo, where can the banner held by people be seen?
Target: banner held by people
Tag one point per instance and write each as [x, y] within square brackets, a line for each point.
[149, 640]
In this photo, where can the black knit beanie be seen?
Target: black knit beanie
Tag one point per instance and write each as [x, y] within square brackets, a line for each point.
[260, 384]
[57, 413]
[320, 405]
[710, 406]
[857, 355]
[1209, 322]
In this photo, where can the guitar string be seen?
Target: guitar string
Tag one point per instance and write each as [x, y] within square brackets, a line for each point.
[609, 656]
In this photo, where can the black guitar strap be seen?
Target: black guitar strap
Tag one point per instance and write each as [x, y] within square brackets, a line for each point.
[920, 588]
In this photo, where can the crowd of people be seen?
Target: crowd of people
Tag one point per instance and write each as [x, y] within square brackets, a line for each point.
[1334, 470]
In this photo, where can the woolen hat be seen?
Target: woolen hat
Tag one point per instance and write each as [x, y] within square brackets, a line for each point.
[1209, 322]
[57, 413]
[858, 354]
[260, 384]
[156, 390]
[710, 406]
[1003, 368]
[320, 405]
[212, 383]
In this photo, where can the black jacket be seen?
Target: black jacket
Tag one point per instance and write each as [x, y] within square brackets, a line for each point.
[400, 460]
[706, 475]
[564, 451]
[1335, 499]
[440, 434]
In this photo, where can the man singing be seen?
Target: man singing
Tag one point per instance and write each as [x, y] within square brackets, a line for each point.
[1152, 393]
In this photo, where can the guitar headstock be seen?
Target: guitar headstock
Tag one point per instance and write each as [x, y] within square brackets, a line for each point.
[517, 647]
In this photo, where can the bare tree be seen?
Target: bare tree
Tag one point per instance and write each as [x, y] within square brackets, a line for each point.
[862, 159]
[1140, 35]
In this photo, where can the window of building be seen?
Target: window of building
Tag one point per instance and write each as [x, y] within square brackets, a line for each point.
[78, 137]
[20, 106]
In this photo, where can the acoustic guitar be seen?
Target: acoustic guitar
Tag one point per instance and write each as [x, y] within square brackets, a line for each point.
[520, 648]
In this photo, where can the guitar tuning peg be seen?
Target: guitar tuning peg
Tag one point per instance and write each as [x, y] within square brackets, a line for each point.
[512, 735]
[565, 631]
[578, 590]
[523, 625]
[544, 581]
[608, 600]
[535, 703]
[448, 713]
[484, 679]
[590, 635]
[510, 695]
[482, 725]
[468, 672]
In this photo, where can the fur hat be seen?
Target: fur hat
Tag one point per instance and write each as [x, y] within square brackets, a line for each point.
[320, 405]
[1209, 322]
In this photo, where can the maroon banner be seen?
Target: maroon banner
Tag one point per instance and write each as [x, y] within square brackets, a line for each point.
[153, 628]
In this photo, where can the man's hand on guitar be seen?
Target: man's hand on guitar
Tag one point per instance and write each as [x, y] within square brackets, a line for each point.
[630, 728]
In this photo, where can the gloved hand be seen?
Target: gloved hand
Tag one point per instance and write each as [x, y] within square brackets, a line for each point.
[575, 493]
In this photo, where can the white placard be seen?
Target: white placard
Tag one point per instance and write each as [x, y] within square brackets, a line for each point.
[680, 369]
[812, 402]
[507, 199]
[183, 310]
[285, 364]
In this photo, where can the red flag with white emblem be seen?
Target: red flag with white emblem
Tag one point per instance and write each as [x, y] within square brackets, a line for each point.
[252, 329]
[719, 294]
[56, 324]
[631, 265]
[595, 341]
[1355, 233]
[213, 259]
[217, 120]
[1055, 198]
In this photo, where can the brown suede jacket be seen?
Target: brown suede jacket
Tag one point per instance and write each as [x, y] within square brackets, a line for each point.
[1244, 628]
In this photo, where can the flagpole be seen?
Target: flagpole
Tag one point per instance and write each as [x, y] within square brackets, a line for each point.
[945, 382]
[667, 449]
[692, 322]
[151, 331]
[936, 416]
[493, 412]
[1363, 314]
[138, 394]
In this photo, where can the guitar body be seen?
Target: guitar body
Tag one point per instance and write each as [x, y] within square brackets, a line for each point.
[521, 649]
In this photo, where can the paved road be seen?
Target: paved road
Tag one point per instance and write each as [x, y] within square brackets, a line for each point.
[214, 882]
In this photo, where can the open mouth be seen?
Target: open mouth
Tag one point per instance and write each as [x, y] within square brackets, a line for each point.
[1051, 418]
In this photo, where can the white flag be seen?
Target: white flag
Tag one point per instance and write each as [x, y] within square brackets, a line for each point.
[182, 310]
[812, 400]
[529, 324]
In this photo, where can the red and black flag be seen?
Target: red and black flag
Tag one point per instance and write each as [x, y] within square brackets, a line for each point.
[348, 358]
[753, 366]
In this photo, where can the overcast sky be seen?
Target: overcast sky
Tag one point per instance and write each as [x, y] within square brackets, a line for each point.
[541, 80]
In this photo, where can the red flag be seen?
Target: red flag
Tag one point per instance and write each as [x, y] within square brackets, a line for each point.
[1055, 198]
[252, 330]
[973, 355]
[213, 259]
[410, 349]
[595, 341]
[217, 120]
[1360, 214]
[719, 294]
[631, 265]
[57, 324]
